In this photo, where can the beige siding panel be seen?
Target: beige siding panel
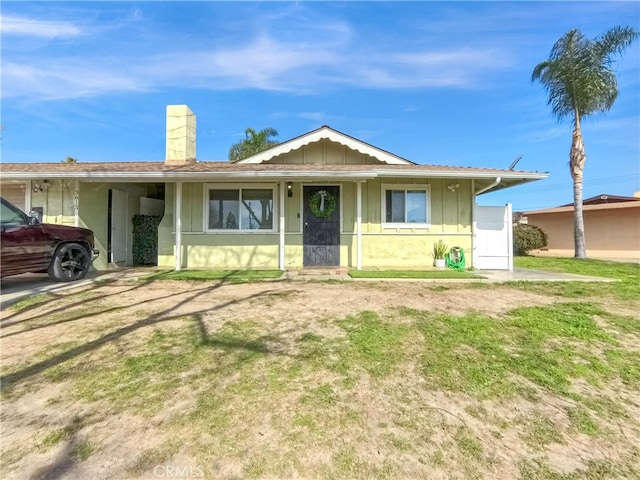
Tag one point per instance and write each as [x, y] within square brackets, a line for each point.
[56, 202]
[325, 152]
[450, 209]
[371, 210]
[348, 190]
[314, 153]
[465, 206]
[333, 153]
[186, 207]
[14, 193]
[437, 206]
[292, 209]
[193, 204]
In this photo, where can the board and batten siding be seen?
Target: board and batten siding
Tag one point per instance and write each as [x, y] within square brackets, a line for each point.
[324, 152]
[450, 215]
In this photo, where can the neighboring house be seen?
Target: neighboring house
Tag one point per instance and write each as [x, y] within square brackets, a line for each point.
[611, 224]
[321, 199]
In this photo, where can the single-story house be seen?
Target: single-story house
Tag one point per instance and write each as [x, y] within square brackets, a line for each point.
[611, 224]
[321, 199]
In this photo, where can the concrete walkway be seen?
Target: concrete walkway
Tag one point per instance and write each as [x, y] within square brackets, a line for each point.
[528, 275]
[15, 288]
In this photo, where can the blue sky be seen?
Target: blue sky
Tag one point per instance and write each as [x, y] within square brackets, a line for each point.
[433, 82]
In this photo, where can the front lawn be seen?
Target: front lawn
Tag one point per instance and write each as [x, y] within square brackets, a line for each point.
[626, 274]
[348, 380]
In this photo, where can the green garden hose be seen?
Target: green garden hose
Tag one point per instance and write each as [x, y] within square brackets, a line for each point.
[455, 258]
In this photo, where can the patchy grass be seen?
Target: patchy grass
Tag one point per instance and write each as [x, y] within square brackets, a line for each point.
[541, 431]
[381, 393]
[549, 346]
[414, 274]
[373, 344]
[30, 301]
[83, 450]
[596, 268]
[53, 438]
[626, 274]
[233, 276]
[582, 421]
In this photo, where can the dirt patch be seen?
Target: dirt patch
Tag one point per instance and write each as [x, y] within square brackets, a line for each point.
[374, 428]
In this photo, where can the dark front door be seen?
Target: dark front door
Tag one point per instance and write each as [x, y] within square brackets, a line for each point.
[321, 219]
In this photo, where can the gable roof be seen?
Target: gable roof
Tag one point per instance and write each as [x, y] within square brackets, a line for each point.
[328, 133]
[258, 168]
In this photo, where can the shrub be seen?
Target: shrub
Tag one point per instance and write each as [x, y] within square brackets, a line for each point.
[527, 237]
[145, 239]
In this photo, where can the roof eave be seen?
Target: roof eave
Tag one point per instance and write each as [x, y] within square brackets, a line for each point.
[508, 178]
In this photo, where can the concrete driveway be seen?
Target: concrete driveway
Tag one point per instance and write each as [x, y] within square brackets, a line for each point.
[17, 287]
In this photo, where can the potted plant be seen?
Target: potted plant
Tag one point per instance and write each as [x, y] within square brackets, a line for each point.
[439, 252]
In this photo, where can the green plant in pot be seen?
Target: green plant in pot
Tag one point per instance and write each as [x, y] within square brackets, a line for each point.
[439, 252]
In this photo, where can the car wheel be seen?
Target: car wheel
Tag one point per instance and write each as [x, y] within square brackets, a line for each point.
[70, 262]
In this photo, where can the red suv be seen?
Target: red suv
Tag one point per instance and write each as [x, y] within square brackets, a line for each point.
[27, 245]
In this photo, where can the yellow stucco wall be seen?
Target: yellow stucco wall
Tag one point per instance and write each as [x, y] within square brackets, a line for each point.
[404, 250]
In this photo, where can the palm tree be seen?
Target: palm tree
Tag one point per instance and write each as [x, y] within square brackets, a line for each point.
[254, 142]
[579, 81]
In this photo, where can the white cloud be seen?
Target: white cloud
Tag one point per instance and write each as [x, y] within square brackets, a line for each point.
[325, 56]
[53, 82]
[264, 63]
[30, 27]
[317, 117]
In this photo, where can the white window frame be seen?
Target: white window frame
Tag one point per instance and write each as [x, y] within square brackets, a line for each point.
[383, 201]
[240, 186]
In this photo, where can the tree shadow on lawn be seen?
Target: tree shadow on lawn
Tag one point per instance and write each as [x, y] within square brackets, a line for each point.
[56, 297]
[67, 458]
[9, 380]
[99, 312]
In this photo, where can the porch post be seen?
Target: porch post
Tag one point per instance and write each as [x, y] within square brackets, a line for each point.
[281, 227]
[359, 225]
[473, 223]
[509, 221]
[178, 214]
[76, 203]
[27, 196]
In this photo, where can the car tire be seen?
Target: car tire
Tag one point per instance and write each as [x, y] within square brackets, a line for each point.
[70, 262]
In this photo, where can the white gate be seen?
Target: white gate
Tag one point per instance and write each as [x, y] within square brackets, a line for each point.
[118, 223]
[493, 239]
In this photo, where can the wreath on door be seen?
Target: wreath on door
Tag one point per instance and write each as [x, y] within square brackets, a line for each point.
[322, 204]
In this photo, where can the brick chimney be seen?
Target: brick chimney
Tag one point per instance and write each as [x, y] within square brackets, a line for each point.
[181, 135]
